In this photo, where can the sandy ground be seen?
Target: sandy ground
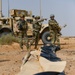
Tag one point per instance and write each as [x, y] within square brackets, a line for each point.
[11, 56]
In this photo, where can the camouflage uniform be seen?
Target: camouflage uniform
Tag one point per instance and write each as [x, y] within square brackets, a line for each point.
[23, 33]
[36, 29]
[54, 30]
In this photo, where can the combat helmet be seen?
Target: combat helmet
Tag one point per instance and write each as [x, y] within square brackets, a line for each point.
[52, 15]
[37, 17]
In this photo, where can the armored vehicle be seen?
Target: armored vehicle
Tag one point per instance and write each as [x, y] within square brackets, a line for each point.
[8, 25]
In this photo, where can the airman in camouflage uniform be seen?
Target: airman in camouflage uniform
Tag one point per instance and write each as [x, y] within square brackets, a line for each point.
[54, 29]
[23, 27]
[36, 29]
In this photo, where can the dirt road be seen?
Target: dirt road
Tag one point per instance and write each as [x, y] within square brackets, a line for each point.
[11, 57]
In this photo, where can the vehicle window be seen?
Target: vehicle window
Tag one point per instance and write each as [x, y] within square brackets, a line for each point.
[4, 21]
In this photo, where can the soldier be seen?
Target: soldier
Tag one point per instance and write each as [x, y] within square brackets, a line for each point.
[36, 29]
[23, 27]
[54, 29]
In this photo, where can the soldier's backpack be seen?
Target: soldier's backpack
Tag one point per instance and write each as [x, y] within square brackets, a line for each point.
[22, 25]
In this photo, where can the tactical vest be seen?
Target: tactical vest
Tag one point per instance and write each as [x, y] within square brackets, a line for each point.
[54, 25]
[22, 25]
[37, 27]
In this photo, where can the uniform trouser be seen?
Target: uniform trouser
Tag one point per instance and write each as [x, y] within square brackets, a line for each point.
[36, 38]
[23, 39]
[55, 37]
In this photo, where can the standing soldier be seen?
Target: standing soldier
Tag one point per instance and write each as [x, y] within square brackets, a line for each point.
[54, 30]
[23, 27]
[36, 29]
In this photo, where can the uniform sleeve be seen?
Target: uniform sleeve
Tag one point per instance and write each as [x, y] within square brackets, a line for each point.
[57, 26]
[56, 23]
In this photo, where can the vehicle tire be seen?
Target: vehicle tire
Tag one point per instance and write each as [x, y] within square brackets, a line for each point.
[46, 37]
[5, 33]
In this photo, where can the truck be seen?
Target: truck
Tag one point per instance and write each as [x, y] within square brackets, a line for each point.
[8, 25]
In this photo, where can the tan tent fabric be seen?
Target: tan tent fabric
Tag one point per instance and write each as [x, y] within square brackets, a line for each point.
[47, 65]
[31, 67]
[34, 65]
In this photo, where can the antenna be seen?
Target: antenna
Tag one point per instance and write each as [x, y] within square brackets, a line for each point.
[0, 8]
[40, 9]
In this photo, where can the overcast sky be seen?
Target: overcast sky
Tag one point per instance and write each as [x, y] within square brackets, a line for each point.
[64, 11]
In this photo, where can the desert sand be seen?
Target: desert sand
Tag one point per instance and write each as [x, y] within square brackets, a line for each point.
[11, 56]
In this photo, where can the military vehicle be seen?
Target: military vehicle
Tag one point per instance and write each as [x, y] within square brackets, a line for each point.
[8, 25]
